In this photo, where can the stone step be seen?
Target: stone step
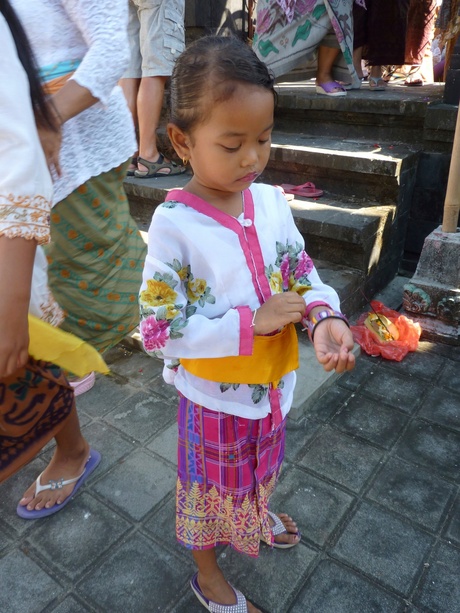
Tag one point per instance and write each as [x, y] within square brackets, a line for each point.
[399, 114]
[361, 170]
[327, 225]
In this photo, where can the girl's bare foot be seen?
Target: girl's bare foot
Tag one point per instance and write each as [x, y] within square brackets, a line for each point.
[217, 589]
[291, 536]
[62, 466]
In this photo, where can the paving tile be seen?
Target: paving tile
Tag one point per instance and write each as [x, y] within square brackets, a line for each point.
[139, 576]
[189, 603]
[329, 403]
[335, 589]
[400, 391]
[298, 435]
[137, 485]
[440, 590]
[450, 377]
[142, 416]
[109, 443]
[449, 351]
[5, 539]
[136, 366]
[453, 526]
[412, 491]
[73, 540]
[165, 444]
[12, 490]
[364, 370]
[421, 363]
[443, 407]
[158, 385]
[316, 506]
[260, 579]
[162, 526]
[107, 393]
[342, 458]
[384, 547]
[433, 447]
[69, 605]
[369, 419]
[25, 587]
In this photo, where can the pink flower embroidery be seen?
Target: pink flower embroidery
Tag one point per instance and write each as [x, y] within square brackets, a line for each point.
[284, 269]
[154, 333]
[304, 265]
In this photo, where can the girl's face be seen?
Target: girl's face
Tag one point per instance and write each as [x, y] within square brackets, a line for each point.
[231, 148]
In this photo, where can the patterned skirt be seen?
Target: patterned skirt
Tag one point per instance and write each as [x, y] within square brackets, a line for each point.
[95, 260]
[34, 404]
[227, 470]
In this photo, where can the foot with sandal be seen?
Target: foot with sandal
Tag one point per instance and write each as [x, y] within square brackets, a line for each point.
[209, 584]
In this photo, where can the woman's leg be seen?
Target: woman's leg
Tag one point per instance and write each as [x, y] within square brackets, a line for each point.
[68, 461]
[212, 581]
[326, 58]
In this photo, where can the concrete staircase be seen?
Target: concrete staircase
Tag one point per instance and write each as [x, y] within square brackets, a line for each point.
[364, 152]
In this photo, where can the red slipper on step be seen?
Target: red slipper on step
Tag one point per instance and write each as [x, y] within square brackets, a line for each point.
[306, 190]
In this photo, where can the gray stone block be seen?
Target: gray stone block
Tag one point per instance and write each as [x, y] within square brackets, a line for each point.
[111, 445]
[298, 435]
[400, 391]
[262, 581]
[432, 446]
[164, 444]
[440, 590]
[136, 366]
[142, 416]
[74, 540]
[333, 588]
[139, 576]
[25, 586]
[70, 605]
[384, 547]
[162, 527]
[329, 404]
[340, 458]
[363, 371]
[450, 378]
[421, 363]
[137, 485]
[442, 407]
[368, 419]
[107, 393]
[453, 526]
[317, 507]
[413, 492]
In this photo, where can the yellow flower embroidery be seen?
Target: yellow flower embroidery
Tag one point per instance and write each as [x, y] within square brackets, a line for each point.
[195, 289]
[276, 282]
[171, 312]
[183, 273]
[300, 288]
[158, 293]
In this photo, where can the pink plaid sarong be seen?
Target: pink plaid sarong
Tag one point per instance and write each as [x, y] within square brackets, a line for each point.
[227, 470]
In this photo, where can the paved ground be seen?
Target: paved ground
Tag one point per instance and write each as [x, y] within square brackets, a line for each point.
[372, 477]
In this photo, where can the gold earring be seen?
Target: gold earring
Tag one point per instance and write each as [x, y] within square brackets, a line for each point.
[184, 161]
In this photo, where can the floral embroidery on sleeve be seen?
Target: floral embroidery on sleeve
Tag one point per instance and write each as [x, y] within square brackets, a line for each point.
[197, 289]
[160, 313]
[294, 266]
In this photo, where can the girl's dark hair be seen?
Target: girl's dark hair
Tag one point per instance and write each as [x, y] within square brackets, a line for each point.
[209, 72]
[43, 114]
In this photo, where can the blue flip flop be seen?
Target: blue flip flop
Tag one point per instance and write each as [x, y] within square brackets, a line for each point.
[92, 462]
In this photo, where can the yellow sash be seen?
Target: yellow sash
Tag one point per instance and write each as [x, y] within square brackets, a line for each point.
[62, 348]
[54, 85]
[271, 359]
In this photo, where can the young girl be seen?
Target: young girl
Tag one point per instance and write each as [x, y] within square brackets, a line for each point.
[226, 278]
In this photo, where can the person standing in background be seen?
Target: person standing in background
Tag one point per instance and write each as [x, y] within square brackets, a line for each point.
[156, 38]
[96, 252]
[37, 403]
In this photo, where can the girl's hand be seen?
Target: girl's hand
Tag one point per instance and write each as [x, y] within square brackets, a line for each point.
[51, 144]
[279, 310]
[14, 338]
[333, 342]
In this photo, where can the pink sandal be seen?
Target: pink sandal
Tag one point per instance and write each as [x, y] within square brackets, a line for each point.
[306, 190]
